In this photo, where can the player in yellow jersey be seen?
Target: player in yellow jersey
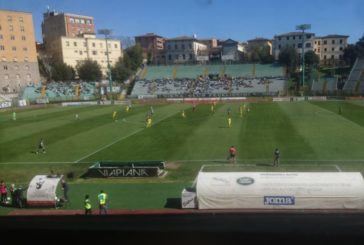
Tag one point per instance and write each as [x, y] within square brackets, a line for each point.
[229, 122]
[212, 108]
[241, 109]
[149, 122]
[127, 108]
[183, 114]
[114, 115]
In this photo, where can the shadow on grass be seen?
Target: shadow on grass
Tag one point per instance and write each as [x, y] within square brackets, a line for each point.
[173, 203]
[264, 165]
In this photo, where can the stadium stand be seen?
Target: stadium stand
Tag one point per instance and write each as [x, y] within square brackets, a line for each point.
[60, 91]
[355, 82]
[209, 80]
[324, 86]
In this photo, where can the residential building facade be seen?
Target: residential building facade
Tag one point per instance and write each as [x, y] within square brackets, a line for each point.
[259, 43]
[232, 50]
[71, 39]
[151, 45]
[330, 48]
[293, 39]
[74, 50]
[183, 50]
[18, 57]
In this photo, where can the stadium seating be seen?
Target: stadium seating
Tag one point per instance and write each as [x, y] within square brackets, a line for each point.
[60, 91]
[324, 86]
[356, 78]
[209, 80]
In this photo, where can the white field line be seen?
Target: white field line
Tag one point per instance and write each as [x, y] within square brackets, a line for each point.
[5, 163]
[120, 139]
[338, 168]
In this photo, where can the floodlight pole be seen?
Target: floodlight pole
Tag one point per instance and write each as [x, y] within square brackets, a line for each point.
[303, 27]
[107, 32]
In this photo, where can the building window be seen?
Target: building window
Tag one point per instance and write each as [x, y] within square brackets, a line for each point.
[77, 21]
[183, 56]
[300, 37]
[287, 38]
[23, 38]
[11, 28]
[169, 56]
[16, 67]
[191, 56]
[81, 53]
[72, 20]
[22, 29]
[13, 48]
[332, 57]
[176, 56]
[294, 37]
[10, 18]
[2, 47]
[183, 46]
[93, 45]
[76, 51]
[279, 38]
[5, 67]
[94, 52]
[25, 49]
[67, 43]
[75, 44]
[190, 46]
[109, 45]
[12, 37]
[325, 42]
[318, 50]
[21, 19]
[308, 36]
[325, 49]
[319, 42]
[27, 67]
[299, 45]
[169, 47]
[333, 42]
[29, 76]
[332, 49]
[88, 22]
[17, 76]
[1, 36]
[341, 48]
[341, 41]
[308, 45]
[115, 46]
[175, 46]
[324, 57]
[82, 21]
[26, 59]
[279, 46]
[101, 45]
[84, 44]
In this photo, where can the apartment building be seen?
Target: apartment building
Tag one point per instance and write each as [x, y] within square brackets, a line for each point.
[183, 50]
[330, 48]
[293, 39]
[75, 40]
[151, 44]
[18, 57]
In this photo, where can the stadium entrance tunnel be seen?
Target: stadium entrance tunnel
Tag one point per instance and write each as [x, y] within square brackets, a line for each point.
[111, 169]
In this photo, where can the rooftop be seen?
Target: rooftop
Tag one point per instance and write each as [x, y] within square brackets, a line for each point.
[296, 33]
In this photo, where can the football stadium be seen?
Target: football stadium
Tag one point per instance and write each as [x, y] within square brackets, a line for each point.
[165, 147]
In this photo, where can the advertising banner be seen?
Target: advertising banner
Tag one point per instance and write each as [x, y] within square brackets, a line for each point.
[269, 190]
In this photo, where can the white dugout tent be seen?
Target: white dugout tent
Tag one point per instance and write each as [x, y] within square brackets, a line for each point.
[280, 190]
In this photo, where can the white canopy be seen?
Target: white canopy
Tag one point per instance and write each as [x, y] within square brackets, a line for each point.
[42, 190]
[280, 190]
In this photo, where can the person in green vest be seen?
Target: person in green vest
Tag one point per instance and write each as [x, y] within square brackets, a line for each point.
[102, 197]
[14, 115]
[88, 207]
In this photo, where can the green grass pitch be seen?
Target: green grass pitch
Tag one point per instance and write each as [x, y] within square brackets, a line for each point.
[311, 136]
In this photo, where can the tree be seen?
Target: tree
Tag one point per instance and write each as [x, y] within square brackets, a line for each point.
[350, 54]
[311, 59]
[120, 72]
[133, 57]
[360, 47]
[62, 72]
[89, 70]
[289, 58]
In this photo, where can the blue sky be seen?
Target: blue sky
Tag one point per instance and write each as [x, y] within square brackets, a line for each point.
[237, 19]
